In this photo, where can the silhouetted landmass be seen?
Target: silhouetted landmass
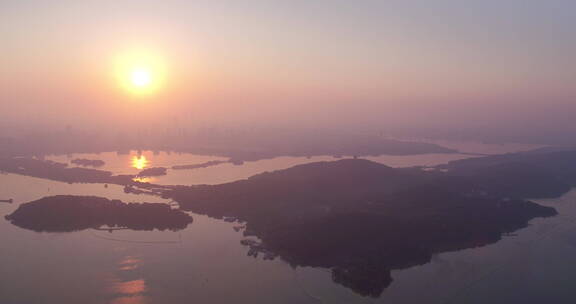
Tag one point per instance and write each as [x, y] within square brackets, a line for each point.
[332, 146]
[237, 145]
[336, 183]
[65, 213]
[361, 219]
[88, 162]
[547, 149]
[532, 174]
[61, 172]
[201, 165]
[337, 147]
[156, 171]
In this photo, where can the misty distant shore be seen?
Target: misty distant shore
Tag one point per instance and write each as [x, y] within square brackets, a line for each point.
[240, 148]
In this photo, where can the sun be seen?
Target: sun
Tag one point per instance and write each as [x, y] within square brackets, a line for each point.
[140, 72]
[141, 77]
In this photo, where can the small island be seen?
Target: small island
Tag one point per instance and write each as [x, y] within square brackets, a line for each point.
[201, 165]
[66, 213]
[88, 162]
[150, 172]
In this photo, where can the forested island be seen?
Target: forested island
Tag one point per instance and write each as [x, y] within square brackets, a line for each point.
[156, 171]
[66, 213]
[88, 162]
[201, 165]
[362, 219]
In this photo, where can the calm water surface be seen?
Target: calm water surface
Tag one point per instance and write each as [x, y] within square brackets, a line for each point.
[134, 162]
[205, 263]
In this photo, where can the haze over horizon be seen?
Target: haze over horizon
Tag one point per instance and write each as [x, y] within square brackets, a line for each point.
[485, 68]
[287, 151]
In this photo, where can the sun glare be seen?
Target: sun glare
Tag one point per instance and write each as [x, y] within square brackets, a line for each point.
[140, 73]
[141, 77]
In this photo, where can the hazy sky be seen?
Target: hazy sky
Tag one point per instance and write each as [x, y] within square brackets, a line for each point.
[503, 62]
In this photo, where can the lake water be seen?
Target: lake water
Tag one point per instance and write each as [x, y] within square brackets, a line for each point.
[134, 161]
[205, 263]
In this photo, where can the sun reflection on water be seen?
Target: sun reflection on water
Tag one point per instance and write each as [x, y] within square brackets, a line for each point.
[140, 162]
[144, 179]
[125, 290]
[130, 288]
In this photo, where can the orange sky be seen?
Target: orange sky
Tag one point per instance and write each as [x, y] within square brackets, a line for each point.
[273, 61]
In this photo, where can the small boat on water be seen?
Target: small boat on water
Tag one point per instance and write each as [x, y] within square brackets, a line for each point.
[9, 201]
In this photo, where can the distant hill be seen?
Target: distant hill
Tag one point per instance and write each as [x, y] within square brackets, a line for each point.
[533, 174]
